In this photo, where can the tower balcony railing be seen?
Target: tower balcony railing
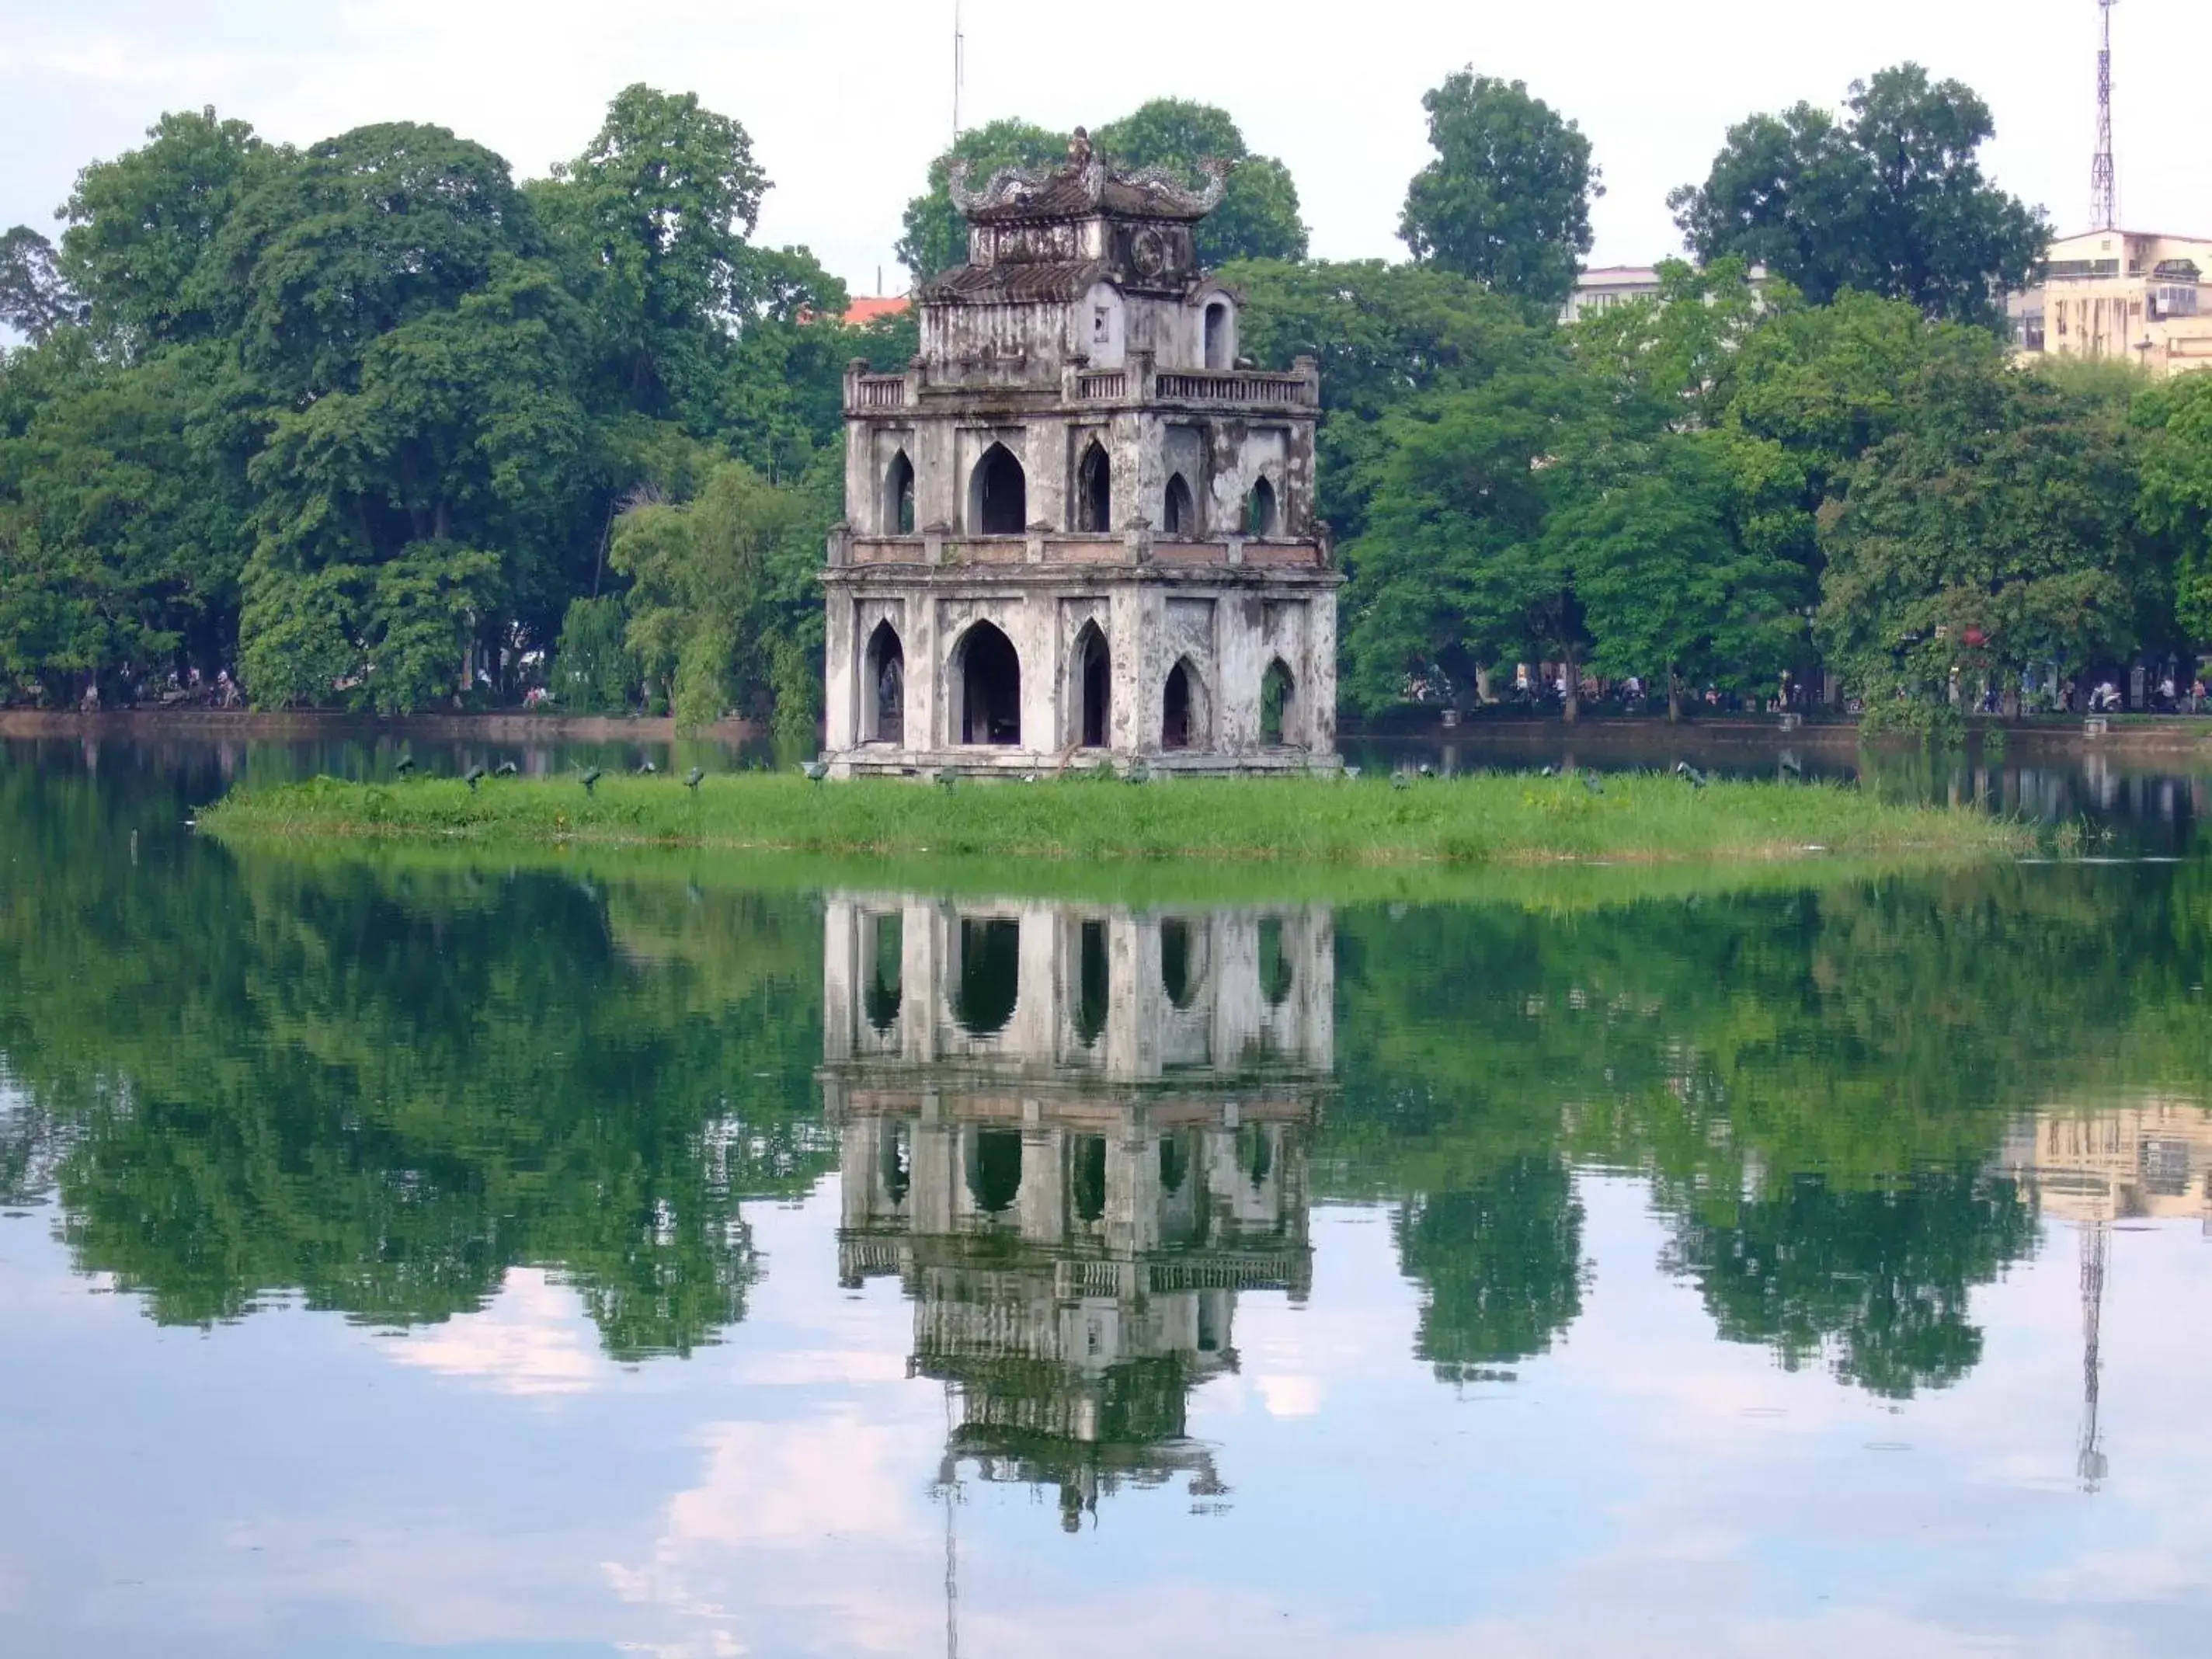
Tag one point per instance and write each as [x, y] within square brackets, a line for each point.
[1139, 383]
[1138, 546]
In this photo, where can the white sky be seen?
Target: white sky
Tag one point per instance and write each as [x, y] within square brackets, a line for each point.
[846, 102]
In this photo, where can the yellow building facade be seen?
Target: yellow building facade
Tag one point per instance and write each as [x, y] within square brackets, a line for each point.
[2120, 295]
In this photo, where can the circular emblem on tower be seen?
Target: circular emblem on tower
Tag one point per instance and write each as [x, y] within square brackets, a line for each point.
[1148, 253]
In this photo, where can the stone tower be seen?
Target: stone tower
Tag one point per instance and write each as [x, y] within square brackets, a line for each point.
[1079, 527]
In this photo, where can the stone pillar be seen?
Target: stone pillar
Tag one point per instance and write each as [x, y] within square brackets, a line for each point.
[840, 671]
[840, 928]
[1125, 642]
[1317, 695]
[925, 676]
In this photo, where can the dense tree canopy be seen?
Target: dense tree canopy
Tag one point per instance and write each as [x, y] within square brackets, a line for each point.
[1891, 200]
[355, 420]
[1507, 200]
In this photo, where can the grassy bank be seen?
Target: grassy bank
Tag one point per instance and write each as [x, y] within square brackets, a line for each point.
[1644, 819]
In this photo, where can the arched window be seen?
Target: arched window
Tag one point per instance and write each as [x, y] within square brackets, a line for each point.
[993, 1164]
[1094, 682]
[1094, 491]
[1277, 702]
[998, 495]
[1183, 712]
[989, 981]
[885, 689]
[1260, 510]
[1217, 334]
[1093, 986]
[988, 672]
[1180, 518]
[898, 496]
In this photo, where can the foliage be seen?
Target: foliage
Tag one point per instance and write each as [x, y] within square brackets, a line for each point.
[2176, 472]
[1507, 200]
[1467, 821]
[33, 300]
[716, 580]
[1890, 201]
[1258, 218]
[1996, 533]
[594, 671]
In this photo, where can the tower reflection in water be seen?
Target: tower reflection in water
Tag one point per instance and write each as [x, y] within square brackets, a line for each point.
[1075, 1135]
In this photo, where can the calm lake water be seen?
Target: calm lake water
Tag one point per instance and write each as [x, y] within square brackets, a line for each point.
[422, 1254]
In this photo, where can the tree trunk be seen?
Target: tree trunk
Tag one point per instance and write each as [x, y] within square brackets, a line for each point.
[1673, 698]
[1571, 674]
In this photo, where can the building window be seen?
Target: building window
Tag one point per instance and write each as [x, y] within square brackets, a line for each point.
[988, 672]
[998, 495]
[898, 496]
[1216, 336]
[1278, 700]
[1102, 326]
[885, 687]
[1094, 688]
[1094, 491]
[1181, 516]
[1260, 510]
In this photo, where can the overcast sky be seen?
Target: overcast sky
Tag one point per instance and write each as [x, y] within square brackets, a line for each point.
[847, 101]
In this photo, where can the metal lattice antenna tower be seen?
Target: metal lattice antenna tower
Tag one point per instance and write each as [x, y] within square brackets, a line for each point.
[2103, 182]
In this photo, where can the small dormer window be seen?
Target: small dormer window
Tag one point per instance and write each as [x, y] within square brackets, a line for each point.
[1102, 326]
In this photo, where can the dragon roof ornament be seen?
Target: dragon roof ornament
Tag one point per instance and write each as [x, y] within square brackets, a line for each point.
[1086, 184]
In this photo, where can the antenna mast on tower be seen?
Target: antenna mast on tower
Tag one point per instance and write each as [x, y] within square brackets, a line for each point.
[2103, 184]
[960, 64]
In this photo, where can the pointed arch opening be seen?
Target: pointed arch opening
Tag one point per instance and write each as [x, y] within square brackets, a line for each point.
[1217, 334]
[988, 983]
[1094, 491]
[1182, 962]
[898, 496]
[993, 1169]
[998, 495]
[1261, 516]
[1279, 693]
[988, 672]
[1093, 983]
[1093, 676]
[1179, 517]
[884, 688]
[1185, 722]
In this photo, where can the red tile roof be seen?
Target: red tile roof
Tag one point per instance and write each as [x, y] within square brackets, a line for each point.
[865, 309]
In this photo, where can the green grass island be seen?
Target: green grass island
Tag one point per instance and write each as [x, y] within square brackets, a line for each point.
[1490, 818]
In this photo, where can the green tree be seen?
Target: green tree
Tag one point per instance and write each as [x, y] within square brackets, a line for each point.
[594, 671]
[1891, 200]
[367, 231]
[1383, 335]
[1669, 588]
[1500, 1266]
[34, 300]
[143, 226]
[1507, 200]
[1995, 533]
[1454, 570]
[2176, 469]
[464, 431]
[1258, 218]
[716, 585]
